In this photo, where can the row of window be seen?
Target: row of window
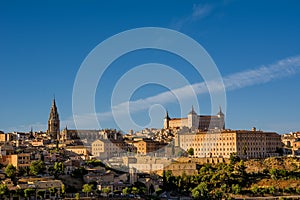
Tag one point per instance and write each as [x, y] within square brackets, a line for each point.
[214, 149]
[206, 139]
[210, 144]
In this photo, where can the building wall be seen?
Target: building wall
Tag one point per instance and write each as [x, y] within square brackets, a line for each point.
[246, 144]
[209, 144]
[80, 150]
[257, 144]
[179, 168]
[197, 122]
[146, 146]
[17, 160]
[178, 122]
[106, 148]
[48, 184]
[5, 137]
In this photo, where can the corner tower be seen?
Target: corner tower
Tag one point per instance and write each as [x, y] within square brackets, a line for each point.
[221, 117]
[193, 121]
[53, 122]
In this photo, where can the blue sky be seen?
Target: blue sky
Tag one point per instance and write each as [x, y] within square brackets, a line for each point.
[43, 43]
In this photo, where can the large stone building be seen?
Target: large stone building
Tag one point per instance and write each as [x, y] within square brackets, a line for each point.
[105, 148]
[195, 121]
[21, 160]
[221, 143]
[146, 146]
[5, 137]
[53, 123]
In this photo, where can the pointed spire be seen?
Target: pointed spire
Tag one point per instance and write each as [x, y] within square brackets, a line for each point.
[220, 111]
[53, 102]
[167, 115]
[192, 111]
[53, 122]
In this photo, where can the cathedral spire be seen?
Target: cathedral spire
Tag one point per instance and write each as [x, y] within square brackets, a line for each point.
[167, 115]
[192, 111]
[220, 113]
[53, 122]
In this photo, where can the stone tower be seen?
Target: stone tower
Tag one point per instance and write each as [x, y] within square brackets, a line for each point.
[193, 121]
[53, 122]
[166, 121]
[221, 116]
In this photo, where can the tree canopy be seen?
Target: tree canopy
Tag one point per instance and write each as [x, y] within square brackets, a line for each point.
[37, 167]
[10, 171]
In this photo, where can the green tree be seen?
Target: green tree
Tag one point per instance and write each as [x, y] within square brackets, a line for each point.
[22, 171]
[58, 169]
[126, 190]
[19, 192]
[41, 194]
[77, 196]
[234, 158]
[191, 151]
[236, 188]
[168, 181]
[37, 167]
[201, 191]
[63, 190]
[134, 190]
[3, 190]
[106, 190]
[272, 189]
[87, 188]
[10, 171]
[52, 191]
[79, 172]
[140, 188]
[255, 189]
[218, 194]
[29, 192]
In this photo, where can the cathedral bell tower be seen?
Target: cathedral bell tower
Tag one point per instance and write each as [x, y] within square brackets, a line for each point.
[167, 121]
[53, 122]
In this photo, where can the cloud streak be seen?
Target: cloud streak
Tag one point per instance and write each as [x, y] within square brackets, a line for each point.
[264, 74]
[199, 12]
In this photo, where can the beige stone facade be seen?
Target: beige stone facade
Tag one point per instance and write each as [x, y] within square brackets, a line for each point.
[18, 160]
[195, 121]
[104, 148]
[80, 150]
[246, 144]
[5, 137]
[146, 146]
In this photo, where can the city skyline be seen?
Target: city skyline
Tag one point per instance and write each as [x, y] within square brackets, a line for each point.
[255, 46]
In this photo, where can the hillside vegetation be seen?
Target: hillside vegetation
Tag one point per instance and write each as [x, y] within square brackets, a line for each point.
[277, 176]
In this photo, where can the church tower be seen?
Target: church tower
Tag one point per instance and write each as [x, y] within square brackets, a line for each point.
[53, 122]
[166, 121]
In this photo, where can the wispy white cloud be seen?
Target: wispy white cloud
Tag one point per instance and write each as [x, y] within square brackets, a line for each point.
[264, 74]
[199, 12]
